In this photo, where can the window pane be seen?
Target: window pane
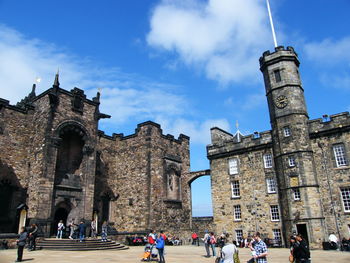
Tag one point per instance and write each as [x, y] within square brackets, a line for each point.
[235, 189]
[268, 160]
[237, 212]
[233, 166]
[287, 132]
[277, 75]
[271, 185]
[275, 216]
[296, 194]
[345, 194]
[291, 161]
[239, 235]
[339, 154]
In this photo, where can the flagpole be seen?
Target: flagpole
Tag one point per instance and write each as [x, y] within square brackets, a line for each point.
[271, 22]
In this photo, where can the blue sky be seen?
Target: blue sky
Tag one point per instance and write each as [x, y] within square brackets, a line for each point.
[187, 64]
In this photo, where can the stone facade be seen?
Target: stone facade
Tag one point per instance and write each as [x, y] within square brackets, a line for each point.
[285, 180]
[56, 165]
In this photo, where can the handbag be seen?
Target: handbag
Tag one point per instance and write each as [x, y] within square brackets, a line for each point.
[291, 258]
[236, 258]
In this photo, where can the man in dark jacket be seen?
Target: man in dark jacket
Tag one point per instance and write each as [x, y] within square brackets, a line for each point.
[21, 242]
[82, 230]
[301, 250]
[33, 232]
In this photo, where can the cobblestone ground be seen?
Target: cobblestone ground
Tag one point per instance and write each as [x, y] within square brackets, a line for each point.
[178, 254]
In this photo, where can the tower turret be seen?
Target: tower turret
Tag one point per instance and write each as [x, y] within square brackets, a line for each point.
[299, 193]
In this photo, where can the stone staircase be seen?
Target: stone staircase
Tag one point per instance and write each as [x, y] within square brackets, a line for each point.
[74, 245]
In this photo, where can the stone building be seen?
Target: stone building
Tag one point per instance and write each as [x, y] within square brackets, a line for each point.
[292, 178]
[55, 164]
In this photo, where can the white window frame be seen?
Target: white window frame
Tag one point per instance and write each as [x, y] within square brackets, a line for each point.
[277, 235]
[235, 189]
[286, 131]
[345, 197]
[233, 166]
[271, 185]
[237, 213]
[340, 155]
[296, 194]
[268, 160]
[291, 161]
[239, 234]
[274, 212]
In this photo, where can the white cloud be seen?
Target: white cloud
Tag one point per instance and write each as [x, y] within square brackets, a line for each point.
[329, 51]
[223, 37]
[126, 97]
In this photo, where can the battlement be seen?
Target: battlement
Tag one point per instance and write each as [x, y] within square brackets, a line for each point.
[329, 124]
[144, 127]
[280, 53]
[225, 144]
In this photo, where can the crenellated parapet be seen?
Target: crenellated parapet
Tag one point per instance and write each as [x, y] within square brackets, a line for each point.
[328, 125]
[145, 128]
[280, 53]
[226, 144]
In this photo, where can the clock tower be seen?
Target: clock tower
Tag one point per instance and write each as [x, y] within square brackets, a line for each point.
[298, 188]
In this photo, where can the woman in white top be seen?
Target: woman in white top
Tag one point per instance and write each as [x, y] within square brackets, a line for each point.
[228, 251]
[60, 228]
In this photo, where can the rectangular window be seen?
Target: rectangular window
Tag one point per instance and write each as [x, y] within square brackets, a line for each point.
[237, 215]
[271, 185]
[340, 155]
[277, 74]
[268, 160]
[345, 195]
[239, 235]
[287, 132]
[275, 216]
[235, 189]
[291, 161]
[277, 235]
[296, 194]
[233, 166]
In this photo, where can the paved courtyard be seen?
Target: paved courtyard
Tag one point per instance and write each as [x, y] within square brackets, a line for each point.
[178, 254]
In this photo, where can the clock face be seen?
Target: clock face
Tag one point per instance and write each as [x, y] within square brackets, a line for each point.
[281, 101]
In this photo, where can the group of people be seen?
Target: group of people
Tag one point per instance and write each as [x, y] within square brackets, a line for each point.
[299, 250]
[228, 252]
[155, 241]
[78, 231]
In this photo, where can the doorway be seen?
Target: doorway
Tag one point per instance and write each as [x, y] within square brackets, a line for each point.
[60, 214]
[302, 229]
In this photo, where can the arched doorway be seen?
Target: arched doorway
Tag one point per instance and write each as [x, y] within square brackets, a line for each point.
[61, 213]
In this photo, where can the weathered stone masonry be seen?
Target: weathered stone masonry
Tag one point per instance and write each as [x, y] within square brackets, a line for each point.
[309, 181]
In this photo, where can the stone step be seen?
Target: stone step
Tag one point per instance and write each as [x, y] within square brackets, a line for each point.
[70, 245]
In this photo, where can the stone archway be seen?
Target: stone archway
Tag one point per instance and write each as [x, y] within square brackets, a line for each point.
[62, 211]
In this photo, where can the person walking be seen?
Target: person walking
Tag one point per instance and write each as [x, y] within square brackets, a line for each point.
[160, 244]
[60, 228]
[82, 230]
[72, 227]
[260, 249]
[21, 242]
[195, 238]
[33, 232]
[212, 243]
[206, 240]
[104, 231]
[301, 250]
[229, 252]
